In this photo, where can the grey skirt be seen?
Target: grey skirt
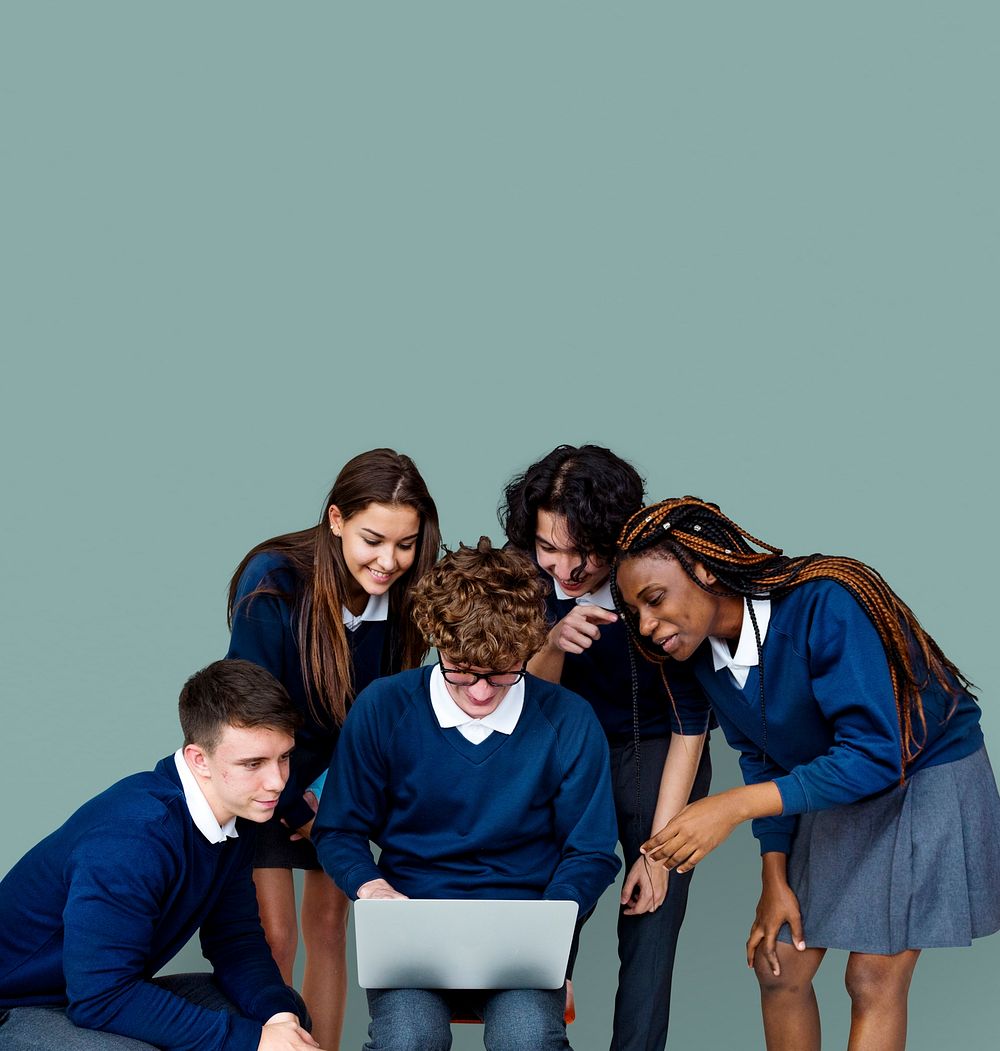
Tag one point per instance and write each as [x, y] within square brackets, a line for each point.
[915, 867]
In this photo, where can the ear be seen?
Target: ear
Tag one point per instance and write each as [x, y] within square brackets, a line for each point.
[196, 759]
[705, 575]
[336, 520]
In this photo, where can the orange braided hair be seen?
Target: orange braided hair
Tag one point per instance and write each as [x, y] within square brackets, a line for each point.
[694, 530]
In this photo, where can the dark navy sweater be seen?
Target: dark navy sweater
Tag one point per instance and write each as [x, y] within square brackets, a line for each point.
[602, 675]
[528, 815]
[832, 729]
[92, 912]
[265, 632]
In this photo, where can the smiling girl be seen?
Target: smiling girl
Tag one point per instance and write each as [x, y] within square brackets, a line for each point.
[327, 610]
[866, 776]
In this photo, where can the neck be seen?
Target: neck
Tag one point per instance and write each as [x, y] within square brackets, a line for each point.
[355, 597]
[729, 620]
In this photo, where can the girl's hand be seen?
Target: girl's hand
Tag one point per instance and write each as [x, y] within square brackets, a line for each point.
[305, 831]
[693, 833]
[644, 891]
[777, 906]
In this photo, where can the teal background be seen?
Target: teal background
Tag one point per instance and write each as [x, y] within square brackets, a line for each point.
[751, 247]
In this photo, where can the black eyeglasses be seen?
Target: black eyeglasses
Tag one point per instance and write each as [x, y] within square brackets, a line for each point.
[493, 678]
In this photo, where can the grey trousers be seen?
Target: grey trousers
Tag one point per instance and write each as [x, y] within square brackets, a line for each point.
[646, 944]
[48, 1028]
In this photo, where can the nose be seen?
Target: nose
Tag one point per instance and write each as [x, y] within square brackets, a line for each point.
[647, 623]
[564, 566]
[481, 690]
[386, 559]
[275, 776]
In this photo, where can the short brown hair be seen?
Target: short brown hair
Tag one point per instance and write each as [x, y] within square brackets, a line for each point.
[483, 607]
[233, 693]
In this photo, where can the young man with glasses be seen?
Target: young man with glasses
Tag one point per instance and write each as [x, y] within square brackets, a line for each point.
[476, 781]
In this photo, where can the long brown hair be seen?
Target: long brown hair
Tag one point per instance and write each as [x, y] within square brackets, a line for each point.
[692, 530]
[315, 555]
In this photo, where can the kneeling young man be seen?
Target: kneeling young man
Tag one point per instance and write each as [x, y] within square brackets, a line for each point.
[89, 915]
[477, 782]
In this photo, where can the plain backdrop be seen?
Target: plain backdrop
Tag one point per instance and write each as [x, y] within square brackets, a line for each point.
[751, 247]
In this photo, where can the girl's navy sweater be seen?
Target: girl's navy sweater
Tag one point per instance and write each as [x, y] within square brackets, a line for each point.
[829, 709]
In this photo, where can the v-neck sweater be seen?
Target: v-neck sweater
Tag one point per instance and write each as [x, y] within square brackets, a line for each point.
[529, 815]
[265, 631]
[832, 731]
[93, 911]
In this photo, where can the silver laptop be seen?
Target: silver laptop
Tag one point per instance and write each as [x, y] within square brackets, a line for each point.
[463, 944]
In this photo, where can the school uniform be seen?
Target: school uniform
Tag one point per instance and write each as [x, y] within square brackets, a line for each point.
[90, 914]
[265, 632]
[514, 805]
[878, 866]
[602, 675]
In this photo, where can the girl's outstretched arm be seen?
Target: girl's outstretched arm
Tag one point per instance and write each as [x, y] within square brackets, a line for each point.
[701, 826]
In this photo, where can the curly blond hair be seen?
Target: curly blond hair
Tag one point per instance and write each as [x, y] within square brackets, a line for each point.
[483, 607]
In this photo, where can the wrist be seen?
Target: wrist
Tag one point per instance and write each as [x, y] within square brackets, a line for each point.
[774, 867]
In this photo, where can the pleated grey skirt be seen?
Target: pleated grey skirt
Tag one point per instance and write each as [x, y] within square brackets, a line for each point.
[913, 868]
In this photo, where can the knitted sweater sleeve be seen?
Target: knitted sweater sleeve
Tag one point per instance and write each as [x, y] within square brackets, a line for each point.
[232, 940]
[353, 806]
[852, 688]
[261, 624]
[585, 823]
[116, 883]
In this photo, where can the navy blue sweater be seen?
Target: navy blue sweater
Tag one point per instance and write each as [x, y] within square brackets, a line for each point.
[832, 729]
[528, 815]
[92, 912]
[602, 675]
[265, 632]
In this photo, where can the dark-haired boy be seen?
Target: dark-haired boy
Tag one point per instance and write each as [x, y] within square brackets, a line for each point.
[476, 782]
[90, 914]
[567, 510]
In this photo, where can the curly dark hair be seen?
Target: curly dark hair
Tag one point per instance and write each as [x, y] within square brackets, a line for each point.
[592, 488]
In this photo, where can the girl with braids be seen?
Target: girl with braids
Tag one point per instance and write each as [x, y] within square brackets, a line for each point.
[866, 777]
[567, 510]
[327, 610]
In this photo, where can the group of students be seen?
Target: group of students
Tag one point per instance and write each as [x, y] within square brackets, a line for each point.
[866, 778]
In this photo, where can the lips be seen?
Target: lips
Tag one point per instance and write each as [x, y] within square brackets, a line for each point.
[379, 577]
[669, 643]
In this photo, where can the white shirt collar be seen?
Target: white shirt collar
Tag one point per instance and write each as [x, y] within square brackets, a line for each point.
[198, 808]
[601, 597]
[377, 608]
[503, 718]
[745, 657]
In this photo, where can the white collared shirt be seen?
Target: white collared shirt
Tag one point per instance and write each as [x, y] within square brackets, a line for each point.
[503, 718]
[745, 657]
[377, 608]
[601, 597]
[198, 808]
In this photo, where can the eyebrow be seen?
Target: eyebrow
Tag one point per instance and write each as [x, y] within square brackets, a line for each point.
[262, 758]
[539, 539]
[381, 536]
